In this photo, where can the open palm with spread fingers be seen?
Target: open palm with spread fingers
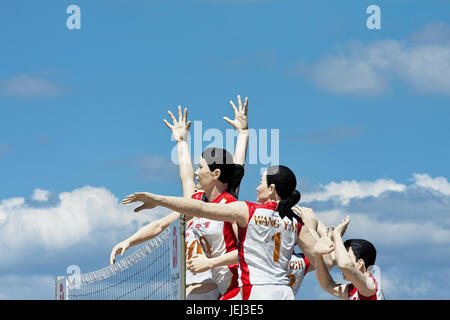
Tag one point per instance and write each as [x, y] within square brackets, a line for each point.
[147, 198]
[240, 121]
[180, 128]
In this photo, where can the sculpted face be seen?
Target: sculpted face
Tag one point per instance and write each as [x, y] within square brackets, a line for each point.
[357, 264]
[263, 191]
[205, 177]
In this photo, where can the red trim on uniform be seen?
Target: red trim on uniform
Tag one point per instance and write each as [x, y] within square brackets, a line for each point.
[230, 245]
[372, 297]
[352, 290]
[307, 263]
[242, 233]
[228, 233]
[198, 195]
[228, 198]
[299, 226]
[231, 294]
[246, 291]
[229, 237]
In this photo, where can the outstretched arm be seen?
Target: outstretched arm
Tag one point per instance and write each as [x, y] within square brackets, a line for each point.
[232, 212]
[365, 284]
[322, 247]
[309, 235]
[180, 131]
[145, 233]
[240, 123]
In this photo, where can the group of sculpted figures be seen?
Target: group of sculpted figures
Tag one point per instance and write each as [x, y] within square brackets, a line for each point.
[241, 250]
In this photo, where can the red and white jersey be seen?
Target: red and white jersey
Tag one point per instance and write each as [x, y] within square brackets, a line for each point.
[298, 268]
[217, 238]
[193, 247]
[353, 293]
[266, 246]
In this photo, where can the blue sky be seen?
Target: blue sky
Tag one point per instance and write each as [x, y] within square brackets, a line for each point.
[362, 117]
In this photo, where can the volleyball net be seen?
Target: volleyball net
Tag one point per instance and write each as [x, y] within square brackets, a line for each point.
[153, 272]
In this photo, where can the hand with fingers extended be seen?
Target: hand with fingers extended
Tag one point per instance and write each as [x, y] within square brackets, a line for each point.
[341, 228]
[324, 245]
[307, 215]
[149, 200]
[240, 121]
[198, 263]
[120, 248]
[180, 128]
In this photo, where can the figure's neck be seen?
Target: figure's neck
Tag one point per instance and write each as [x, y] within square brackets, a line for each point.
[216, 190]
[275, 198]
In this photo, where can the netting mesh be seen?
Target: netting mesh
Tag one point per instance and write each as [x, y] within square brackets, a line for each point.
[150, 273]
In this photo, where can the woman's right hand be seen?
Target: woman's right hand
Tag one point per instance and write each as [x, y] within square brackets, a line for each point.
[180, 128]
[118, 249]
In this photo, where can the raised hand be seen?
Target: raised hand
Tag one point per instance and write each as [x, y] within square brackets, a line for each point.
[147, 198]
[240, 121]
[324, 245]
[118, 249]
[180, 128]
[342, 227]
[307, 215]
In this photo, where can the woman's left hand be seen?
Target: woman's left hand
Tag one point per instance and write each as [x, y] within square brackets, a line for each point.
[240, 122]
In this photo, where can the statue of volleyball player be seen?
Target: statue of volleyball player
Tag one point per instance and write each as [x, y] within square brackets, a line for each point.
[299, 265]
[353, 257]
[222, 188]
[268, 231]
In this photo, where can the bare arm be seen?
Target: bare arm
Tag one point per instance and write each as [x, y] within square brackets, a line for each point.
[309, 235]
[324, 246]
[232, 212]
[186, 169]
[240, 123]
[180, 131]
[200, 263]
[145, 233]
[365, 284]
[326, 281]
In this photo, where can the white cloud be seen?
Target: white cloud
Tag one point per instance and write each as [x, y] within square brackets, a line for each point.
[377, 220]
[347, 75]
[82, 215]
[19, 287]
[346, 190]
[366, 70]
[439, 184]
[386, 232]
[40, 195]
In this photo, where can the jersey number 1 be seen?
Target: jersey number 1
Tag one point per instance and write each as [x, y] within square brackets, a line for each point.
[276, 251]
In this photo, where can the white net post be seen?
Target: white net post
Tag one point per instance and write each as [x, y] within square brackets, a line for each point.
[183, 256]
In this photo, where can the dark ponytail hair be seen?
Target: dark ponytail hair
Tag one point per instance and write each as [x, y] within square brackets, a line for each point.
[285, 183]
[231, 173]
